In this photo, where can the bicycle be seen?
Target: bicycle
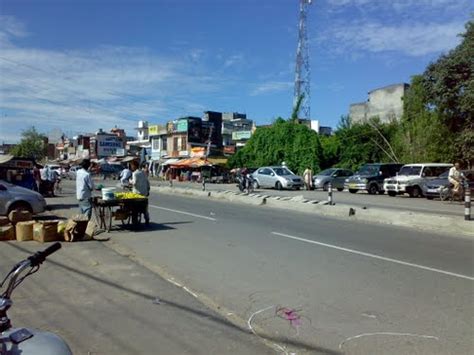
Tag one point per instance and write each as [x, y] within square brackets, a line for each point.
[447, 194]
[26, 341]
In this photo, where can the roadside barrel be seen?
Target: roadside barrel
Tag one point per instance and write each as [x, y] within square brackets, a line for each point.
[330, 198]
[467, 203]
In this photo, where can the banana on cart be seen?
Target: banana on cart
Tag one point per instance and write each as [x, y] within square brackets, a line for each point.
[127, 195]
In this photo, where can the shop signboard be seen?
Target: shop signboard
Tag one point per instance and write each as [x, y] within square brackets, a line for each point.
[156, 130]
[183, 153]
[182, 126]
[198, 152]
[108, 145]
[229, 149]
[240, 135]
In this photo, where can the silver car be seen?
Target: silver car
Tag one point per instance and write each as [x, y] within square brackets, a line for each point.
[335, 176]
[277, 177]
[14, 197]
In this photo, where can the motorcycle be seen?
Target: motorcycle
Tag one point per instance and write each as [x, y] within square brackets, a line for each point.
[246, 184]
[15, 341]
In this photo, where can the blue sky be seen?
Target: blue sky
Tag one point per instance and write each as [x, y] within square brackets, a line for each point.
[83, 65]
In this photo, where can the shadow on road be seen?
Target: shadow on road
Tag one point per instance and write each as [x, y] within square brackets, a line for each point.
[181, 307]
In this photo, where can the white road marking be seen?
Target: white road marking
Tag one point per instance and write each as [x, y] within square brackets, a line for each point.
[387, 333]
[375, 256]
[183, 212]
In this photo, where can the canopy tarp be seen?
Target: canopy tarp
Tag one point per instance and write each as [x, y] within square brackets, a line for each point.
[171, 161]
[5, 158]
[217, 161]
[195, 162]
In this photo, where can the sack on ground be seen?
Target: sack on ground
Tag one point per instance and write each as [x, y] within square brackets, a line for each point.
[7, 232]
[46, 231]
[24, 231]
[75, 229]
[91, 230]
[4, 221]
[16, 216]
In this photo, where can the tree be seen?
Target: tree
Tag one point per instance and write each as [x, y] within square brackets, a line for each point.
[31, 145]
[422, 136]
[449, 85]
[295, 144]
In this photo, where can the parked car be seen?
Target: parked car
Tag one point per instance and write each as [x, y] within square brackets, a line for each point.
[370, 177]
[277, 177]
[411, 178]
[432, 188]
[14, 197]
[71, 174]
[335, 176]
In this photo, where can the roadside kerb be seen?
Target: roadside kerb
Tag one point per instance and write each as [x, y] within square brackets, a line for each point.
[417, 220]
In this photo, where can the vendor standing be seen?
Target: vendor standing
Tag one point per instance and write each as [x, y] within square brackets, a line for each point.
[140, 184]
[84, 187]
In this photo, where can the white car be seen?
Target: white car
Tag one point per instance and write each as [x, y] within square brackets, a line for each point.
[14, 197]
[411, 178]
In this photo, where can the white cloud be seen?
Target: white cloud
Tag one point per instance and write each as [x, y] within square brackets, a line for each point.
[410, 39]
[270, 87]
[235, 59]
[83, 90]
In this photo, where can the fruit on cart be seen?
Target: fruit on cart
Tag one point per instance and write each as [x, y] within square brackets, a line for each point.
[127, 195]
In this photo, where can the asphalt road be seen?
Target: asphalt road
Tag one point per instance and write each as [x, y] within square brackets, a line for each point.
[313, 284]
[359, 199]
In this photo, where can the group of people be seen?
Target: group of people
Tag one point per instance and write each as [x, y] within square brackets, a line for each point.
[47, 180]
[131, 177]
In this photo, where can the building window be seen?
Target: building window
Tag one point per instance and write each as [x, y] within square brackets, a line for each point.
[175, 144]
[184, 143]
[165, 143]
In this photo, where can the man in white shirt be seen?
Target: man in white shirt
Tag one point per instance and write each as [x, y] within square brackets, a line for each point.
[125, 176]
[140, 184]
[455, 175]
[84, 187]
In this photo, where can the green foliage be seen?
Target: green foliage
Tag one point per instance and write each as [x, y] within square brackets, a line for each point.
[296, 108]
[362, 143]
[31, 145]
[295, 144]
[449, 85]
[422, 136]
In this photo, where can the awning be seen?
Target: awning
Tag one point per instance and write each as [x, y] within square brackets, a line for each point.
[5, 158]
[217, 161]
[129, 158]
[171, 161]
[191, 163]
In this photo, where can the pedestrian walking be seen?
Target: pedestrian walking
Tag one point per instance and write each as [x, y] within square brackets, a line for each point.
[308, 178]
[125, 176]
[84, 187]
[140, 184]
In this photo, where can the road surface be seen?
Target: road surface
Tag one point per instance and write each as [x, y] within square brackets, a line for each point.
[395, 290]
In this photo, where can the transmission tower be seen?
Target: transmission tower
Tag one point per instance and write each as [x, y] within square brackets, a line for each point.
[302, 69]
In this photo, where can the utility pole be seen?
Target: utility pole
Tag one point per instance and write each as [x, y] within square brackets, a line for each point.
[302, 68]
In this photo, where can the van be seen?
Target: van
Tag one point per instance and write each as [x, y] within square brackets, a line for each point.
[370, 177]
[412, 177]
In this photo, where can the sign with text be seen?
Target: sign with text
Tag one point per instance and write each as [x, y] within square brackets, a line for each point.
[155, 130]
[108, 145]
[237, 136]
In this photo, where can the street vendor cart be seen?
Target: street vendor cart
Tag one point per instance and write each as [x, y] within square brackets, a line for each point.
[127, 210]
